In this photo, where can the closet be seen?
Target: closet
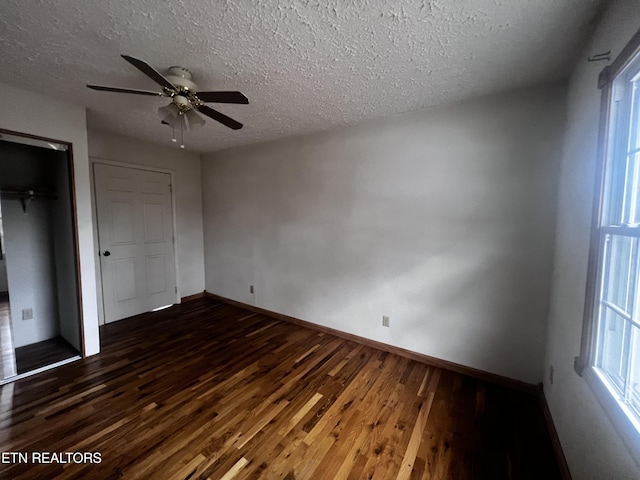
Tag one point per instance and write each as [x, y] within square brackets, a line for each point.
[39, 299]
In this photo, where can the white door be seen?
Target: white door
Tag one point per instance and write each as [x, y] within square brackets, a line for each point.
[135, 231]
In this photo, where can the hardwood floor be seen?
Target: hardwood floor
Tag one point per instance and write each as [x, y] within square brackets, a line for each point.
[209, 390]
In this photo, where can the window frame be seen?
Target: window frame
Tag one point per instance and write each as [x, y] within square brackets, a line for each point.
[610, 400]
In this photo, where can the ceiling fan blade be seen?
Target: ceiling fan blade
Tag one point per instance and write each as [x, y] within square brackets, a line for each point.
[149, 71]
[223, 97]
[126, 90]
[223, 119]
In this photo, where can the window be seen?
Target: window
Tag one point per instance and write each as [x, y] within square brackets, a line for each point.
[617, 345]
[610, 357]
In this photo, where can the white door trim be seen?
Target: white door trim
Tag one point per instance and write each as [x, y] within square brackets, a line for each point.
[93, 160]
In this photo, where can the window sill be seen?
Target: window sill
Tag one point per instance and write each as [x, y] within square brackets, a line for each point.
[627, 427]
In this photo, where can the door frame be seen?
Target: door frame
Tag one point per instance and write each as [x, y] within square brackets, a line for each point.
[74, 222]
[94, 208]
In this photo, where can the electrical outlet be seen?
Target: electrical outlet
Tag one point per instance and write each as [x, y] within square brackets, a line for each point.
[251, 289]
[551, 374]
[27, 313]
[385, 321]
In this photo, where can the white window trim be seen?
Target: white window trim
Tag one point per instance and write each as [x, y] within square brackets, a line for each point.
[625, 424]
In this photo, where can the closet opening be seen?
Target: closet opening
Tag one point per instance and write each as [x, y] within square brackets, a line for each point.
[40, 314]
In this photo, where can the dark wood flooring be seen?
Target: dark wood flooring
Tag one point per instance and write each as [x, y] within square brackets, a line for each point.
[37, 355]
[209, 390]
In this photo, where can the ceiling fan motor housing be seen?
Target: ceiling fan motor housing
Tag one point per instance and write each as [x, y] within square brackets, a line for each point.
[181, 78]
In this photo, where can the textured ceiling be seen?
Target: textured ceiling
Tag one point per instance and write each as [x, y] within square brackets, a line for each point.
[305, 65]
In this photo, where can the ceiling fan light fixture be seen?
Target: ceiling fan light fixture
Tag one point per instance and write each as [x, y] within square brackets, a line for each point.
[170, 114]
[195, 120]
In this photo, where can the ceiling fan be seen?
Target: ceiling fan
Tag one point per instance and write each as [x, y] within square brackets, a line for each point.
[185, 99]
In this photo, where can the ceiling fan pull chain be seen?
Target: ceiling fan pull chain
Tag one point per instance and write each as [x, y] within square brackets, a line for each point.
[181, 130]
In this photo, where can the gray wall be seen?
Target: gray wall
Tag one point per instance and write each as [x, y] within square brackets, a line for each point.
[4, 285]
[64, 250]
[29, 242]
[442, 219]
[591, 444]
[30, 272]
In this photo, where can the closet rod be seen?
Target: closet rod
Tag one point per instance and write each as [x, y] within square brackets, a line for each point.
[27, 195]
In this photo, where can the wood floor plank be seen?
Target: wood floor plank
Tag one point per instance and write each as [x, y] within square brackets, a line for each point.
[209, 390]
[410, 455]
[300, 414]
[239, 465]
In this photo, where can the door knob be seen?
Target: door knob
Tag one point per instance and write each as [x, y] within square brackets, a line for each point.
[106, 253]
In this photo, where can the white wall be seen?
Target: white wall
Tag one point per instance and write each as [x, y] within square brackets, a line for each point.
[591, 445]
[35, 114]
[442, 219]
[187, 193]
[31, 271]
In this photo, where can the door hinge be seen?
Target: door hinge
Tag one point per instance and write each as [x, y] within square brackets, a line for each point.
[176, 289]
[171, 188]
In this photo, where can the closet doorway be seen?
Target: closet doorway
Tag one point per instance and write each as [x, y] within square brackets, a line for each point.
[40, 315]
